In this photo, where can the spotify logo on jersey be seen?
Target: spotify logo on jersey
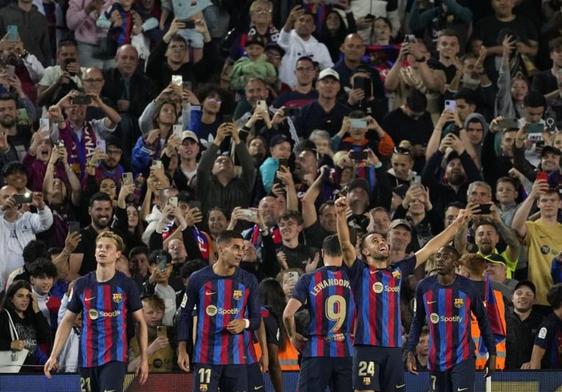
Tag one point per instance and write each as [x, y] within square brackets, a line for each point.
[378, 287]
[211, 310]
[434, 318]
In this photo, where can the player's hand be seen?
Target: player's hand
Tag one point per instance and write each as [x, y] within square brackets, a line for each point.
[236, 326]
[49, 366]
[526, 366]
[490, 365]
[299, 341]
[183, 360]
[411, 363]
[142, 371]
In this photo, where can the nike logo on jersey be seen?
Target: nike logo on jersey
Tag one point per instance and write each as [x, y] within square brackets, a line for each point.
[462, 389]
[89, 299]
[399, 386]
[431, 302]
[258, 388]
[210, 292]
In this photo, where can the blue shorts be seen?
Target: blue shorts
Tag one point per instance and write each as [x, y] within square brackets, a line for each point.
[378, 369]
[319, 373]
[109, 376]
[458, 378]
[229, 378]
[255, 377]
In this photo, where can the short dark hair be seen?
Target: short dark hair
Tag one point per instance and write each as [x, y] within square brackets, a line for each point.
[534, 99]
[526, 283]
[138, 250]
[485, 222]
[449, 33]
[177, 38]
[331, 246]
[554, 296]
[455, 204]
[14, 167]
[510, 180]
[305, 58]
[554, 44]
[192, 266]
[34, 250]
[8, 97]
[292, 215]
[453, 250]
[227, 236]
[466, 94]
[416, 101]
[67, 42]
[42, 267]
[99, 196]
[356, 114]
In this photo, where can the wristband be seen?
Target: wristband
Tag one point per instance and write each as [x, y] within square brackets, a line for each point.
[246, 323]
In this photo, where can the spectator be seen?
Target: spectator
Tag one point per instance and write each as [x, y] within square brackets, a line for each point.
[21, 308]
[161, 356]
[540, 236]
[18, 135]
[253, 65]
[335, 29]
[325, 112]
[523, 323]
[216, 180]
[160, 268]
[31, 28]
[297, 40]
[545, 349]
[546, 82]
[19, 226]
[43, 274]
[303, 92]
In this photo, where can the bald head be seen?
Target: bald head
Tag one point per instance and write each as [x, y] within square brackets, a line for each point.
[93, 80]
[5, 193]
[127, 60]
[353, 49]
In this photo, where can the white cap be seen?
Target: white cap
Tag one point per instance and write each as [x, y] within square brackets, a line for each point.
[329, 72]
[189, 135]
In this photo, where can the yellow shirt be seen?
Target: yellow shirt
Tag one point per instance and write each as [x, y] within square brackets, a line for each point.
[162, 360]
[544, 241]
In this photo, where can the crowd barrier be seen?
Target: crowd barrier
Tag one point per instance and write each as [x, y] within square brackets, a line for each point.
[543, 381]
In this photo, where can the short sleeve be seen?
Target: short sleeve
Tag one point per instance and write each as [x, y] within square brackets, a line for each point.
[544, 336]
[299, 293]
[407, 265]
[134, 301]
[75, 303]
[272, 332]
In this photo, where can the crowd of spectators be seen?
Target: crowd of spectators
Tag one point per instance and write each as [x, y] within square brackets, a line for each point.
[170, 122]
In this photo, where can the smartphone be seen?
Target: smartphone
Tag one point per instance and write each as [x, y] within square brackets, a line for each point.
[249, 215]
[535, 128]
[261, 105]
[364, 84]
[44, 124]
[284, 162]
[187, 85]
[73, 226]
[293, 276]
[177, 131]
[12, 32]
[11, 69]
[81, 100]
[484, 208]
[100, 145]
[161, 331]
[162, 262]
[450, 105]
[127, 178]
[508, 123]
[189, 24]
[410, 38]
[357, 123]
[542, 176]
[177, 80]
[359, 155]
[66, 63]
[24, 198]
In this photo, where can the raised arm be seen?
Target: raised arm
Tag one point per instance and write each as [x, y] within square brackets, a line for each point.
[349, 254]
[442, 238]
[522, 213]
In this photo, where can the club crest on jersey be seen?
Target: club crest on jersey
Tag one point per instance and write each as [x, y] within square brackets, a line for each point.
[378, 287]
[93, 314]
[434, 318]
[366, 380]
[211, 310]
[117, 297]
[203, 388]
[237, 294]
[396, 274]
[459, 303]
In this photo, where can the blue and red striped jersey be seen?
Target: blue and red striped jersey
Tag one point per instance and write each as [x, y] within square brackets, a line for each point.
[447, 311]
[219, 300]
[550, 339]
[105, 307]
[327, 295]
[377, 297]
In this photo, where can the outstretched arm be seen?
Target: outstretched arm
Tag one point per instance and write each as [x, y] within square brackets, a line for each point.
[348, 248]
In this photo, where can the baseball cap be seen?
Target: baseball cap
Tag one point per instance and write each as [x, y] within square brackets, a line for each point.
[255, 39]
[526, 283]
[400, 222]
[550, 150]
[329, 72]
[495, 258]
[189, 135]
[278, 139]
